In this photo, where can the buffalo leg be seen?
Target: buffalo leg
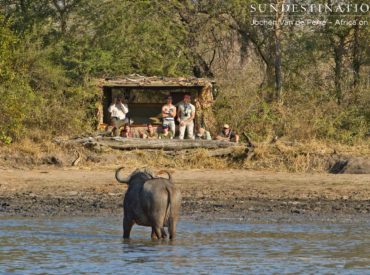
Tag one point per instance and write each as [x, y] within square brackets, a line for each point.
[172, 228]
[153, 235]
[164, 234]
[157, 232]
[127, 226]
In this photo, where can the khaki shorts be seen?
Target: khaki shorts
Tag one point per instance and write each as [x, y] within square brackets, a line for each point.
[117, 122]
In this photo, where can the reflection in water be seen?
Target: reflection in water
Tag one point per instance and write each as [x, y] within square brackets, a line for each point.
[94, 245]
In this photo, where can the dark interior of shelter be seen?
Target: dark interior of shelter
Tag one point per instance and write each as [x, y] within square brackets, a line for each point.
[145, 102]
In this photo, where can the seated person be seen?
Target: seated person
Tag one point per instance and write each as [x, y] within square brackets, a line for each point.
[126, 132]
[166, 134]
[118, 111]
[201, 133]
[227, 134]
[149, 133]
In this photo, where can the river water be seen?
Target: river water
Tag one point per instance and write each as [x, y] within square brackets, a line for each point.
[94, 246]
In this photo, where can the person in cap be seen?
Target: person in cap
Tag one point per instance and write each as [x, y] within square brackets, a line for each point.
[118, 111]
[186, 115]
[202, 133]
[169, 114]
[166, 133]
[227, 134]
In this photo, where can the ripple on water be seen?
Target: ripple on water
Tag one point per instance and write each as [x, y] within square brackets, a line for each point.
[94, 245]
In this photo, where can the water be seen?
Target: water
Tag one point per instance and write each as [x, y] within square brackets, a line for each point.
[94, 246]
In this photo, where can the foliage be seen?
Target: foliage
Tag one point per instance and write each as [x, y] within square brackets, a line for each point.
[50, 51]
[303, 115]
[35, 93]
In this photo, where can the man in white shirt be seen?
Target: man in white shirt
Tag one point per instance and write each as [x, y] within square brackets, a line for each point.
[169, 114]
[118, 111]
[186, 115]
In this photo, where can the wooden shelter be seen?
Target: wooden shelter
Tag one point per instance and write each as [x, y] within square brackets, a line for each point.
[146, 95]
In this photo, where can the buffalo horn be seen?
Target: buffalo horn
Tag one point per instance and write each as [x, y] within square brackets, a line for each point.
[168, 174]
[121, 180]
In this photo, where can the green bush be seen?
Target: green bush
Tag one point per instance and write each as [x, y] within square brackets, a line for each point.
[35, 93]
[301, 115]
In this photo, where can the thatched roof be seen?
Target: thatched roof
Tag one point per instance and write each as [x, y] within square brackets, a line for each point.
[136, 80]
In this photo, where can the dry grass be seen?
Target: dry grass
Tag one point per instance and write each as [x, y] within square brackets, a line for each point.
[29, 153]
[197, 159]
[312, 156]
[302, 114]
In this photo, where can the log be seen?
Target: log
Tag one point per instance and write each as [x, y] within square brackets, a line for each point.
[221, 152]
[226, 151]
[173, 144]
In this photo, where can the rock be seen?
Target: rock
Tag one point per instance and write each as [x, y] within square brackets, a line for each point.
[336, 207]
[92, 158]
[252, 209]
[295, 211]
[52, 160]
[354, 165]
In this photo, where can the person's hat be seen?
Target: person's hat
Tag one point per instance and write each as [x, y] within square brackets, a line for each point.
[169, 97]
[226, 126]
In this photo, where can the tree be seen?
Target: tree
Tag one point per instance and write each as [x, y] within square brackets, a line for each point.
[265, 40]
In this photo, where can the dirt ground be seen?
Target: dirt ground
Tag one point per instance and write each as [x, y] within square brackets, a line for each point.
[210, 193]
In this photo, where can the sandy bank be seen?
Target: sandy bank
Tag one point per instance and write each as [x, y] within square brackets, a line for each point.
[226, 193]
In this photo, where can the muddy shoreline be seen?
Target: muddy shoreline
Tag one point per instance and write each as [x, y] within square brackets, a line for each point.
[234, 194]
[101, 205]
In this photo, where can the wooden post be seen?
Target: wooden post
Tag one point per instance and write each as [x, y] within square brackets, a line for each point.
[203, 104]
[107, 99]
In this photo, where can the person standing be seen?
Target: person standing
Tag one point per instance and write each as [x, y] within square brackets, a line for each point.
[186, 115]
[118, 110]
[169, 114]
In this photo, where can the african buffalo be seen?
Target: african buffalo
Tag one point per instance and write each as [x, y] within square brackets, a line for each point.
[150, 201]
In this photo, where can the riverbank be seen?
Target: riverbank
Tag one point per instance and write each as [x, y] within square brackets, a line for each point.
[206, 193]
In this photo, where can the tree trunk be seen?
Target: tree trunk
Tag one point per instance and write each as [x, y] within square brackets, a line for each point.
[201, 68]
[277, 33]
[338, 58]
[356, 63]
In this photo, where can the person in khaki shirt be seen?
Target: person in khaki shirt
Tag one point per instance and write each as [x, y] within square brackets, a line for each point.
[149, 133]
[166, 134]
